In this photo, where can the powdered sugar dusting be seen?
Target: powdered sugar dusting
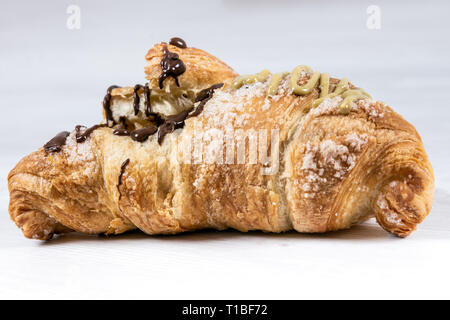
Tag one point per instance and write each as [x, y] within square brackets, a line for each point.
[80, 155]
[337, 156]
[331, 105]
[282, 91]
[393, 218]
[226, 108]
[266, 105]
[78, 151]
[330, 159]
[356, 141]
[381, 202]
[308, 159]
[390, 216]
[328, 105]
[370, 108]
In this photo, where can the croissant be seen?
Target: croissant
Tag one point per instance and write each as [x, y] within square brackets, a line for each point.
[200, 147]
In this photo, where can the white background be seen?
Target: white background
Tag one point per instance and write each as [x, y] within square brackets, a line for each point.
[53, 78]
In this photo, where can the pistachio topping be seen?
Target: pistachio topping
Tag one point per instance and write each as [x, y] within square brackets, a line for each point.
[350, 96]
[251, 78]
[324, 84]
[342, 88]
[275, 82]
[308, 86]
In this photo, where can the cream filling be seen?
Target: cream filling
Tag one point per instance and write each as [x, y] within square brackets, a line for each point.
[161, 102]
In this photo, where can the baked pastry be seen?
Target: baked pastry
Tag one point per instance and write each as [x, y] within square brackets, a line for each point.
[198, 147]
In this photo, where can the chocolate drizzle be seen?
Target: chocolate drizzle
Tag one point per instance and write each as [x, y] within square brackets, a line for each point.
[136, 99]
[140, 135]
[56, 143]
[107, 104]
[148, 106]
[171, 123]
[122, 130]
[178, 42]
[122, 171]
[171, 66]
[82, 137]
[203, 97]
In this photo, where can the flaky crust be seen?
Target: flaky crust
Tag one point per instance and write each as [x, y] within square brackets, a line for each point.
[202, 68]
[334, 170]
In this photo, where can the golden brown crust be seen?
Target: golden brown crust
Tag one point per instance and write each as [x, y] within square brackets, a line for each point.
[334, 170]
[202, 69]
[54, 193]
[388, 159]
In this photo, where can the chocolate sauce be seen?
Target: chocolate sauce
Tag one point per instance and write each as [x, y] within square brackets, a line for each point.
[171, 123]
[121, 132]
[136, 99]
[140, 135]
[107, 104]
[156, 119]
[178, 118]
[122, 171]
[171, 66]
[56, 143]
[82, 137]
[148, 106]
[204, 97]
[178, 42]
